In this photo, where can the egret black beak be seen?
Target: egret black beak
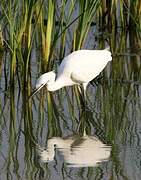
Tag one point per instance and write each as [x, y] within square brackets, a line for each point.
[35, 91]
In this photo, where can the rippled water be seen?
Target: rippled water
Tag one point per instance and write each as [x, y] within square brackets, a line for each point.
[112, 121]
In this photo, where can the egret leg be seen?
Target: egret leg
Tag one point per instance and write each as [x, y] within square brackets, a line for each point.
[85, 106]
[82, 91]
[84, 95]
[82, 123]
[81, 128]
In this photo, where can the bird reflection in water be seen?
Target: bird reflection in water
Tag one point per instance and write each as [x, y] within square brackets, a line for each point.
[85, 151]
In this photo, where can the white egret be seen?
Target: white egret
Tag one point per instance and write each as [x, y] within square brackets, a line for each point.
[79, 67]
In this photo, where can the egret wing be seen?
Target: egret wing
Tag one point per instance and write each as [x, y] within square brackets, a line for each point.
[79, 77]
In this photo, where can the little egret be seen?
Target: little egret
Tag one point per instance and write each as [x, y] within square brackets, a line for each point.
[79, 67]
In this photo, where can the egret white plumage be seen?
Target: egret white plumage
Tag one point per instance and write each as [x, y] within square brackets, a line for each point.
[79, 67]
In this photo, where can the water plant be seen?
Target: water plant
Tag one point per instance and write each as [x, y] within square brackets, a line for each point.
[35, 35]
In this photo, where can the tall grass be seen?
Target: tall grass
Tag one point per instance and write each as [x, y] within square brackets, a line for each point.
[48, 26]
[25, 22]
[87, 10]
[47, 33]
[33, 35]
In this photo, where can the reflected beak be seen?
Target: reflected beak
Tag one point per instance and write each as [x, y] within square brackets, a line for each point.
[35, 91]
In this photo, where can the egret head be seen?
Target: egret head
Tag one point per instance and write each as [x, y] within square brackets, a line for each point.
[44, 79]
[46, 155]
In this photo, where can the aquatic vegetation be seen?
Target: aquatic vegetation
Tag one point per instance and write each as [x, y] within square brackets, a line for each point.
[35, 35]
[27, 24]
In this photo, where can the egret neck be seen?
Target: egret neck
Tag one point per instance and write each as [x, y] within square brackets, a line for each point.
[59, 83]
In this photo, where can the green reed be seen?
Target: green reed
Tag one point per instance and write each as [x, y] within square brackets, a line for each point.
[47, 34]
[1, 40]
[27, 25]
[49, 23]
[87, 10]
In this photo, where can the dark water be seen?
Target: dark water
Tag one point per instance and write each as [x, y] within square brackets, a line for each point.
[112, 147]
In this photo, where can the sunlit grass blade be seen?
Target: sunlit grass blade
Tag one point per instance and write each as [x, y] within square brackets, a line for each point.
[87, 10]
[48, 32]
